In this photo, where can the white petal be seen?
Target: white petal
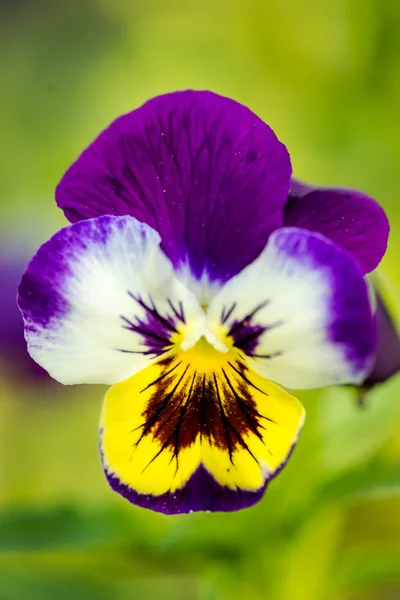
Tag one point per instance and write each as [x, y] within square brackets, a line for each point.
[300, 312]
[100, 300]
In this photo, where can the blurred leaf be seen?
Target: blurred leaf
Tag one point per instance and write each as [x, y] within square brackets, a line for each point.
[370, 480]
[382, 592]
[360, 569]
[352, 435]
[19, 584]
[33, 581]
[323, 533]
[69, 527]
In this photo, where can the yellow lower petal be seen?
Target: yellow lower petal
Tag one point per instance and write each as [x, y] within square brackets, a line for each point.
[197, 409]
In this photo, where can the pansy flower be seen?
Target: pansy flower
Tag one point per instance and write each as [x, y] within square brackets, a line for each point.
[189, 282]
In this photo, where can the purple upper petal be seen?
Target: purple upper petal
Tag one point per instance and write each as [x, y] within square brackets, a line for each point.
[201, 169]
[347, 217]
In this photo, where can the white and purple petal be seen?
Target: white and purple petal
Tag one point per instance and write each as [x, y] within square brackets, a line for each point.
[100, 300]
[301, 312]
[202, 170]
[348, 217]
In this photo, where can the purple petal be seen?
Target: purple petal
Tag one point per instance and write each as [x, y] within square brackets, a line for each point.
[348, 217]
[298, 189]
[201, 493]
[387, 361]
[200, 169]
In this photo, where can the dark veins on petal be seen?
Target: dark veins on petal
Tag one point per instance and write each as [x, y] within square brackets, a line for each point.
[155, 329]
[246, 331]
[217, 406]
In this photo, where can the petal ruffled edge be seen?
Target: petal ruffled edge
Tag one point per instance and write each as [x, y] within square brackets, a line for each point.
[201, 493]
[203, 170]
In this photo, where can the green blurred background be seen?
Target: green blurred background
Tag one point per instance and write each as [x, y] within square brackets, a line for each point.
[326, 77]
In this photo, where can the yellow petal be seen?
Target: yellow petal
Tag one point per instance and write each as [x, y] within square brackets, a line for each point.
[197, 431]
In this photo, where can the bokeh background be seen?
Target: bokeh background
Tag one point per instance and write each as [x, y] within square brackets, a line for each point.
[326, 77]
